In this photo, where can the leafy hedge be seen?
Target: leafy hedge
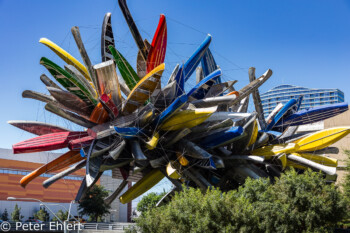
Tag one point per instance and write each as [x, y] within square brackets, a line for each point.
[294, 203]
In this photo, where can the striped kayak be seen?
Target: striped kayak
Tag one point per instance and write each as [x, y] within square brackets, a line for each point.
[157, 51]
[128, 73]
[187, 118]
[322, 139]
[141, 186]
[68, 81]
[143, 89]
[46, 142]
[37, 128]
[65, 56]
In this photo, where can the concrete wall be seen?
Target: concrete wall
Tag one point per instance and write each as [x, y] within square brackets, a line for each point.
[118, 211]
[343, 144]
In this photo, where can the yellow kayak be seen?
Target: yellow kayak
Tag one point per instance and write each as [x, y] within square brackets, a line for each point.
[65, 56]
[188, 118]
[254, 134]
[143, 89]
[319, 159]
[151, 144]
[322, 139]
[269, 151]
[141, 186]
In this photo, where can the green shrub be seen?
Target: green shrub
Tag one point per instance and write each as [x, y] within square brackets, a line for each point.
[294, 203]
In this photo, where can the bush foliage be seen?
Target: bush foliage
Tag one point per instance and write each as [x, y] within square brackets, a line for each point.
[294, 203]
[149, 201]
[93, 205]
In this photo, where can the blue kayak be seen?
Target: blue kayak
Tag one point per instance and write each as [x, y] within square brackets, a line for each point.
[170, 110]
[202, 88]
[221, 138]
[187, 69]
[209, 65]
[290, 104]
[128, 132]
[312, 115]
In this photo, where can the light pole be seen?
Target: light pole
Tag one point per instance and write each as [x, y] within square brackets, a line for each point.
[33, 199]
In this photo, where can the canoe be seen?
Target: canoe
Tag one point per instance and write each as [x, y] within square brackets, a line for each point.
[202, 88]
[107, 38]
[77, 75]
[92, 166]
[116, 150]
[322, 139]
[209, 65]
[187, 69]
[176, 136]
[221, 138]
[271, 150]
[311, 115]
[128, 132]
[308, 163]
[143, 89]
[144, 184]
[69, 116]
[38, 96]
[199, 74]
[70, 102]
[64, 173]
[79, 143]
[214, 101]
[273, 113]
[133, 29]
[66, 57]
[247, 90]
[99, 148]
[187, 118]
[242, 106]
[209, 127]
[108, 200]
[257, 100]
[220, 116]
[193, 150]
[37, 128]
[136, 150]
[76, 34]
[68, 81]
[254, 134]
[204, 163]
[165, 96]
[157, 51]
[152, 143]
[220, 89]
[48, 82]
[49, 167]
[99, 115]
[291, 107]
[109, 106]
[46, 142]
[191, 64]
[108, 81]
[173, 73]
[128, 73]
[141, 64]
[249, 136]
[327, 161]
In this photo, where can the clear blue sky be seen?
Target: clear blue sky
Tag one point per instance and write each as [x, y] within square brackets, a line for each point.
[305, 43]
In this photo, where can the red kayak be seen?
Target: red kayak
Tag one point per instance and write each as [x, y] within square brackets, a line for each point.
[52, 141]
[157, 51]
[79, 143]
